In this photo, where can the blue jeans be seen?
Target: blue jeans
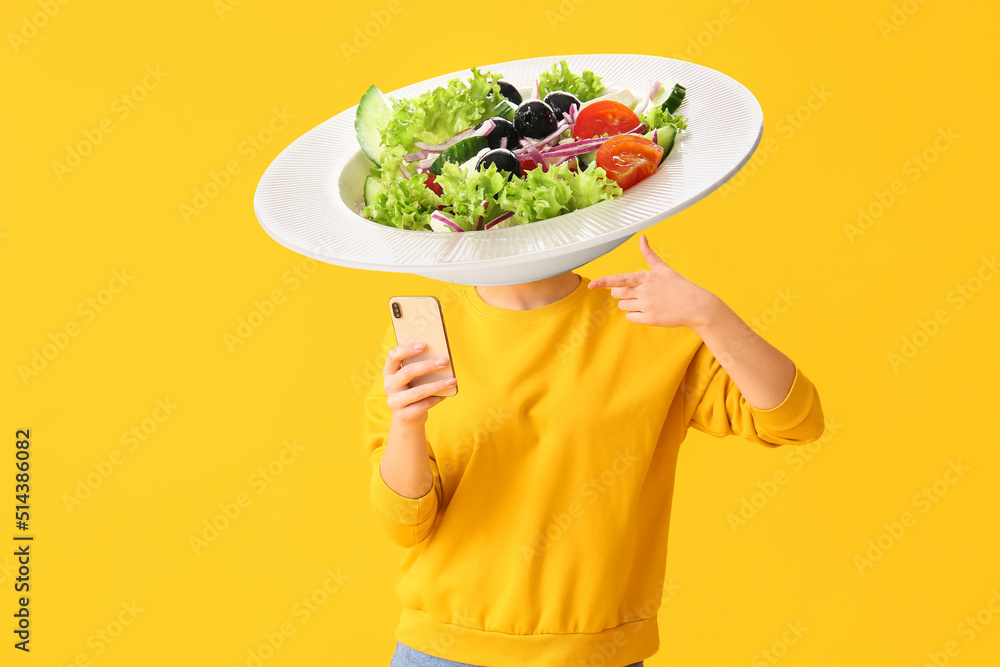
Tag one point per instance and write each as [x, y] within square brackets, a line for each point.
[405, 656]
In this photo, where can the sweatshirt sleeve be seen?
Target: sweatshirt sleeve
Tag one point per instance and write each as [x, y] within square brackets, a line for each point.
[713, 404]
[407, 521]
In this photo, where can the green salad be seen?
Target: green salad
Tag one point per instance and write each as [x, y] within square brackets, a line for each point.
[479, 153]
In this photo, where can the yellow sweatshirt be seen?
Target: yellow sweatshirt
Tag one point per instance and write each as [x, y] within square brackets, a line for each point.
[544, 539]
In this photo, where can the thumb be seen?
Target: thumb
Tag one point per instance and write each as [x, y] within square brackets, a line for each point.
[651, 257]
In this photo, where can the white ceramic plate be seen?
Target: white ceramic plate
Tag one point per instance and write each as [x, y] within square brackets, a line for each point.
[307, 197]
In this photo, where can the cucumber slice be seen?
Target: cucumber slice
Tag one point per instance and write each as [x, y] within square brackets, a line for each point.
[675, 99]
[372, 189]
[664, 138]
[505, 110]
[372, 117]
[463, 151]
[583, 161]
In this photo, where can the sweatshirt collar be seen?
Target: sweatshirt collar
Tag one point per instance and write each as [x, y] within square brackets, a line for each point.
[568, 301]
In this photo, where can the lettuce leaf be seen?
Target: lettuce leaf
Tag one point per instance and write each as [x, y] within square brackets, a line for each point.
[405, 204]
[659, 117]
[540, 195]
[464, 194]
[437, 115]
[402, 202]
[591, 186]
[586, 86]
[537, 196]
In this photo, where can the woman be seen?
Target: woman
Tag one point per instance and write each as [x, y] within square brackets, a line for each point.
[534, 504]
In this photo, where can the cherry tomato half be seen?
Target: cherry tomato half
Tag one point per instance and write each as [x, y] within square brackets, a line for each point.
[628, 158]
[604, 117]
[527, 164]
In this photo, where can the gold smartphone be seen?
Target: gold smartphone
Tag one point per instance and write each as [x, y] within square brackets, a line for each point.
[419, 319]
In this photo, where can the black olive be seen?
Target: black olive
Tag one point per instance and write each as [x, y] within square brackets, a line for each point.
[535, 119]
[504, 159]
[560, 101]
[508, 90]
[502, 128]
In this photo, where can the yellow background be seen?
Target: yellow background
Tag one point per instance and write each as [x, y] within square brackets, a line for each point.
[160, 334]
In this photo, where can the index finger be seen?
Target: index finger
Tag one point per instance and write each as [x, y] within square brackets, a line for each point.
[394, 359]
[617, 280]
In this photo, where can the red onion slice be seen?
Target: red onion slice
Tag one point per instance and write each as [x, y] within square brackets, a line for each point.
[534, 153]
[440, 217]
[560, 128]
[575, 148]
[654, 90]
[582, 145]
[437, 148]
[555, 150]
[498, 219]
[560, 160]
[640, 107]
[413, 157]
[542, 143]
[483, 131]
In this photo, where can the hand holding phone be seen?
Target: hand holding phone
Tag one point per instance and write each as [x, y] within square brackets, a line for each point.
[415, 382]
[419, 319]
[409, 403]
